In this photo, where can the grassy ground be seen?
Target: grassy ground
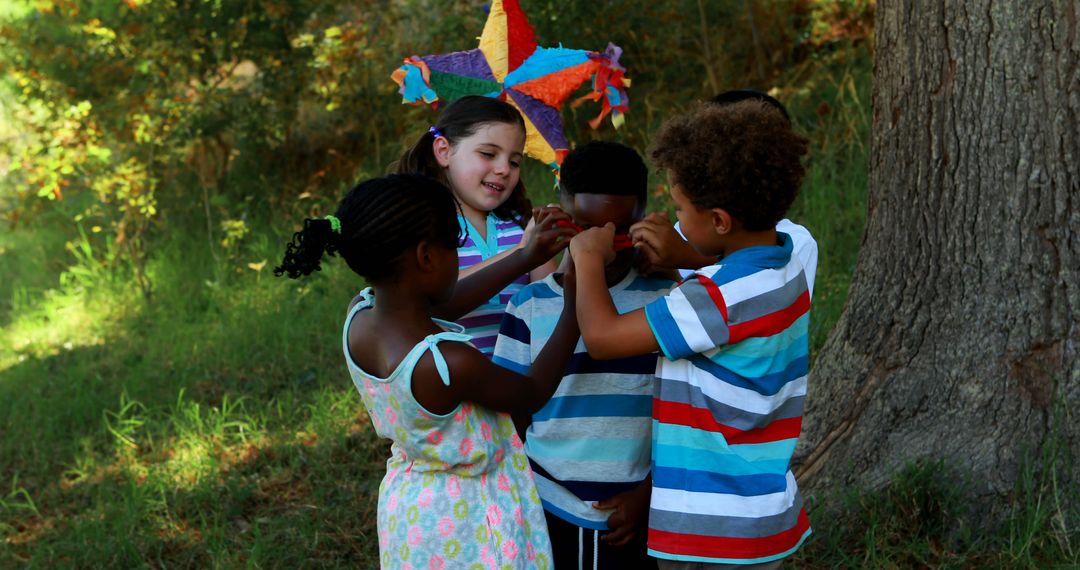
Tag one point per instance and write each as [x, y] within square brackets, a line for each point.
[214, 425]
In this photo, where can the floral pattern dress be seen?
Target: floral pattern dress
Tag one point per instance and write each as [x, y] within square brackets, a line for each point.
[458, 491]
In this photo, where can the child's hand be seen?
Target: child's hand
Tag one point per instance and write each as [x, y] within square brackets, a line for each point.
[631, 512]
[595, 242]
[544, 237]
[661, 247]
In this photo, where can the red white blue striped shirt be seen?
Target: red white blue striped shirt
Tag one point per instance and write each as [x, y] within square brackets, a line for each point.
[728, 410]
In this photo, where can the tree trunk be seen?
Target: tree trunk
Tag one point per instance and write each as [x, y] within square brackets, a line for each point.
[960, 335]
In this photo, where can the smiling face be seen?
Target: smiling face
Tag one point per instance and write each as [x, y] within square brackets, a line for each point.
[484, 167]
[591, 210]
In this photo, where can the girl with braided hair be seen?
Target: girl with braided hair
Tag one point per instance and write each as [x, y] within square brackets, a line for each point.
[476, 148]
[458, 489]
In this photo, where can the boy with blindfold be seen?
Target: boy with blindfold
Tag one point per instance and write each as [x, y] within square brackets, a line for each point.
[589, 447]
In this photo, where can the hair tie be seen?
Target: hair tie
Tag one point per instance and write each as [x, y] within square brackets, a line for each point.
[435, 131]
[335, 223]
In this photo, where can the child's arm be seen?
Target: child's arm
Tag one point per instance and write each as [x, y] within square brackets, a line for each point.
[606, 333]
[530, 235]
[473, 290]
[476, 379]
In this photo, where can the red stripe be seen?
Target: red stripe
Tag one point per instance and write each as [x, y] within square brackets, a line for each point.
[787, 428]
[676, 413]
[770, 324]
[727, 547]
[715, 294]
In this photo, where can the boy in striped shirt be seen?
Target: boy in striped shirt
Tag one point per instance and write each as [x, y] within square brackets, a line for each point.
[589, 447]
[731, 381]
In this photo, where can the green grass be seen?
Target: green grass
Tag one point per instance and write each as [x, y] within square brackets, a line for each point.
[208, 428]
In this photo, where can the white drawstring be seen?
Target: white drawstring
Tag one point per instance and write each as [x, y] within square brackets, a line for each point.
[595, 547]
[580, 548]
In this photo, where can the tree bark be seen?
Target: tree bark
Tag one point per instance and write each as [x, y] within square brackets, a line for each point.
[960, 335]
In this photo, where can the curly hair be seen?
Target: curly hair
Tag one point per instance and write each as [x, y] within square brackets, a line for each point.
[460, 120]
[380, 219]
[742, 157]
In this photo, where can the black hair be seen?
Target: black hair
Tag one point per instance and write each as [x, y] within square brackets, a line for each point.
[460, 120]
[736, 95]
[605, 167]
[379, 220]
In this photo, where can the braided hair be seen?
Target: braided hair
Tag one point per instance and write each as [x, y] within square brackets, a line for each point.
[460, 120]
[380, 219]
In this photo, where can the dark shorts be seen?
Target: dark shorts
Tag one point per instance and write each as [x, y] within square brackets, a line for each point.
[573, 547]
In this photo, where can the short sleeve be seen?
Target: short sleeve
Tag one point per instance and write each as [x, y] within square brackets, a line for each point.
[804, 247]
[513, 348]
[691, 319]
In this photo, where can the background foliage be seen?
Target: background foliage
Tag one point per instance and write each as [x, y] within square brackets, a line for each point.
[163, 400]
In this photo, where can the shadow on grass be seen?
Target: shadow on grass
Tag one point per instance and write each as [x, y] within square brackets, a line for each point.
[188, 451]
[306, 502]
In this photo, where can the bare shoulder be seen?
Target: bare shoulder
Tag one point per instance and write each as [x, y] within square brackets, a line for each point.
[462, 357]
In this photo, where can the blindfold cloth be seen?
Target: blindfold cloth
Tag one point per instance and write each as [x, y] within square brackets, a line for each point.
[621, 242]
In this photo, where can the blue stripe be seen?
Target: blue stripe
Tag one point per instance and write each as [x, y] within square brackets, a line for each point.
[767, 385]
[538, 290]
[510, 365]
[755, 346]
[727, 463]
[576, 521]
[649, 284]
[731, 271]
[764, 256]
[770, 362]
[602, 406]
[690, 439]
[545, 61]
[582, 363]
[667, 333]
[587, 490]
[514, 328]
[697, 481]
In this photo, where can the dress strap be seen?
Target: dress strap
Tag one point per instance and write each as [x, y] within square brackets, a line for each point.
[440, 362]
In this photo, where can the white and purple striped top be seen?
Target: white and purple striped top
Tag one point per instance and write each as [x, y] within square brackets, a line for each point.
[483, 322]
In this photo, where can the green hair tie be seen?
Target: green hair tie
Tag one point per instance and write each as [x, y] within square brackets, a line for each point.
[335, 224]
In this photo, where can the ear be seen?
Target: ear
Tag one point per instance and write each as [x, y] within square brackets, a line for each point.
[425, 260]
[566, 202]
[441, 149]
[722, 221]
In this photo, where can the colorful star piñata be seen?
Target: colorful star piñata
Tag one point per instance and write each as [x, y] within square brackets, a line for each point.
[509, 65]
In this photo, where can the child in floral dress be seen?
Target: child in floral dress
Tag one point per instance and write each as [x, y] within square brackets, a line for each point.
[458, 491]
